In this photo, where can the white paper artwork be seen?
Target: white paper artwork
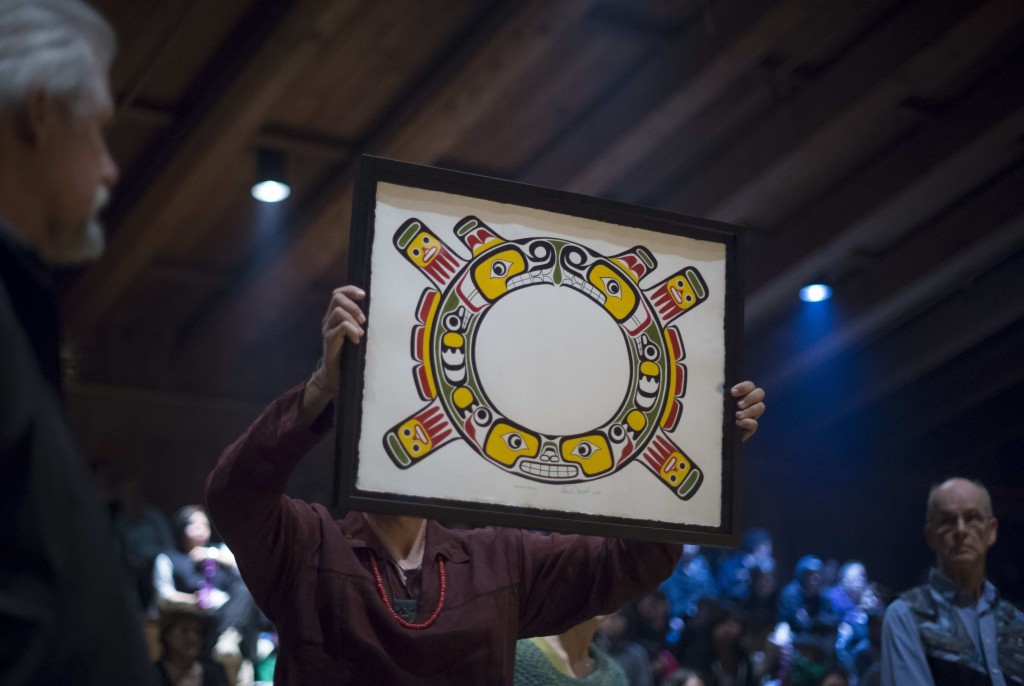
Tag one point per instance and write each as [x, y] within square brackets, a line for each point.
[522, 357]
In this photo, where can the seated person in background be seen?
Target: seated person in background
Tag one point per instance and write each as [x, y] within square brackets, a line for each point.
[691, 581]
[866, 655]
[142, 533]
[734, 574]
[568, 658]
[182, 634]
[835, 676]
[845, 596]
[615, 637]
[800, 603]
[852, 633]
[764, 591]
[205, 578]
[332, 587]
[716, 651]
[683, 677]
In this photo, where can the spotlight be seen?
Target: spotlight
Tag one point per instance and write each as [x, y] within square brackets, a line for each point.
[271, 186]
[815, 293]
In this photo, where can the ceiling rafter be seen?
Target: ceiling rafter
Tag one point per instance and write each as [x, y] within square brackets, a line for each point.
[449, 107]
[280, 137]
[946, 158]
[937, 280]
[708, 83]
[848, 107]
[952, 326]
[212, 137]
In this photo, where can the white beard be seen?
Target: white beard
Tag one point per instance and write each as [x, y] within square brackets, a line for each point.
[87, 244]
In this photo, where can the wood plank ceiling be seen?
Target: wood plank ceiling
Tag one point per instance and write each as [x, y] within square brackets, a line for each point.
[876, 144]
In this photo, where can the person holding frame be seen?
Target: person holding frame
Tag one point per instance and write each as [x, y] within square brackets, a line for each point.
[392, 599]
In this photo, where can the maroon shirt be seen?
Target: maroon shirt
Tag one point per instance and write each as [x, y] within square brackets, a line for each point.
[311, 575]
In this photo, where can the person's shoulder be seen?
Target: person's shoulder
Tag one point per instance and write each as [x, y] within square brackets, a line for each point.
[1011, 611]
[900, 612]
[898, 606]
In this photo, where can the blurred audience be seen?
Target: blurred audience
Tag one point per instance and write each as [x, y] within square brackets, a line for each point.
[181, 663]
[691, 581]
[141, 532]
[716, 650]
[202, 577]
[844, 596]
[690, 633]
[614, 635]
[734, 574]
[800, 603]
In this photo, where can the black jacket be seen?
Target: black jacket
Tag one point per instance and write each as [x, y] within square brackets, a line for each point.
[66, 616]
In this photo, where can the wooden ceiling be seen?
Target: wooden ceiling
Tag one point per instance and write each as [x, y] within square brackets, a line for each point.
[877, 144]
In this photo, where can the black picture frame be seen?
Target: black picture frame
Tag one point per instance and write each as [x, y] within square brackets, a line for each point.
[348, 496]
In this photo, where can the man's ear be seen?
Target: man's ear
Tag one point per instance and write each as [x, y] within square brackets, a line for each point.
[37, 117]
[993, 530]
[929, 535]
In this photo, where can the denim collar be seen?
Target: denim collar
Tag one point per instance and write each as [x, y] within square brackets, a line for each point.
[958, 597]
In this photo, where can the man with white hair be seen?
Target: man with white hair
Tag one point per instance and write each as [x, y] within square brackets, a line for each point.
[955, 629]
[65, 614]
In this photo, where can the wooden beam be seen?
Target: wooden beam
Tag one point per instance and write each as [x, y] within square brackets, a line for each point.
[707, 84]
[277, 137]
[210, 138]
[442, 108]
[820, 133]
[936, 280]
[962, 320]
[946, 159]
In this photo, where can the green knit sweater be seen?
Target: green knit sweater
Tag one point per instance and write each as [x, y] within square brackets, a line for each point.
[533, 668]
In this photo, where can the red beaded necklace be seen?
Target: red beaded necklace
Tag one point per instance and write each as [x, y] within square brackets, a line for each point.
[384, 596]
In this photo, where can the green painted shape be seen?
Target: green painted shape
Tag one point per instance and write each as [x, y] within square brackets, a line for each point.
[396, 450]
[697, 283]
[403, 240]
[466, 226]
[646, 257]
[690, 484]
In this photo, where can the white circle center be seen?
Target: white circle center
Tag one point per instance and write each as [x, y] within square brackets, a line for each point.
[553, 360]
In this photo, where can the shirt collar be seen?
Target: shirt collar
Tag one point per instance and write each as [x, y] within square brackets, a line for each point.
[952, 593]
[440, 540]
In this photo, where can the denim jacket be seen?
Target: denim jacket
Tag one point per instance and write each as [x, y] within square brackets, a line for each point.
[951, 652]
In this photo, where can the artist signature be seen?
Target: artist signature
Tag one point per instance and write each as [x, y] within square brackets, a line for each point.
[579, 490]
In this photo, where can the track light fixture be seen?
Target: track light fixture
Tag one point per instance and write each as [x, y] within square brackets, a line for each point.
[271, 185]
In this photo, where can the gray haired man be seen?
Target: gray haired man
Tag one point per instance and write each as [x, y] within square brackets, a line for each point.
[955, 629]
[65, 615]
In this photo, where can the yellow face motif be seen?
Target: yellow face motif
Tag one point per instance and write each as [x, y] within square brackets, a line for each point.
[681, 290]
[589, 452]
[675, 469]
[414, 438]
[491, 275]
[506, 444]
[423, 249]
[619, 295]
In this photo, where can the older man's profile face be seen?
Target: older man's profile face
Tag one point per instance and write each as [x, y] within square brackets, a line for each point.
[960, 527]
[80, 174]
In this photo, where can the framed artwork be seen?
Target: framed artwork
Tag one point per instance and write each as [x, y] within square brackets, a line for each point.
[539, 359]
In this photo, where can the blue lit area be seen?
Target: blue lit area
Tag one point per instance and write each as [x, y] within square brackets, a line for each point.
[815, 293]
[271, 191]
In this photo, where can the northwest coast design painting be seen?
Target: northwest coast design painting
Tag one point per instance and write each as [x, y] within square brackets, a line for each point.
[457, 406]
